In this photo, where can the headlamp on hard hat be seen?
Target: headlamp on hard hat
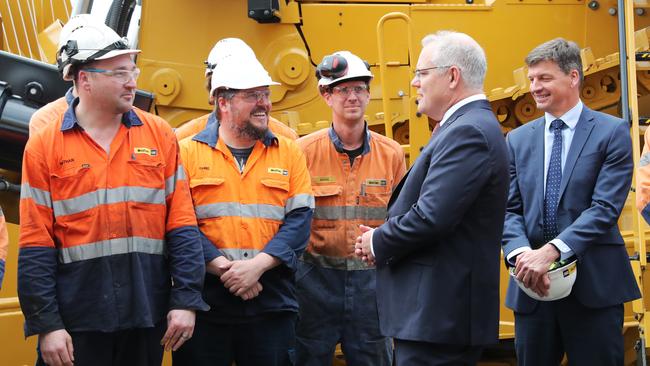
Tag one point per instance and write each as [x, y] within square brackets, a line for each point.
[341, 66]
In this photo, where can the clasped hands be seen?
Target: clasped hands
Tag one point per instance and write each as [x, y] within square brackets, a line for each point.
[362, 245]
[531, 268]
[240, 277]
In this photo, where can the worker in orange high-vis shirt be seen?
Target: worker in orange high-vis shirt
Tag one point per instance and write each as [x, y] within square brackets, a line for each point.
[197, 125]
[4, 245]
[53, 110]
[253, 202]
[353, 172]
[110, 266]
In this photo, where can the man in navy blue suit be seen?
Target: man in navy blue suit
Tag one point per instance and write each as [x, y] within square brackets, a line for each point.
[570, 173]
[437, 255]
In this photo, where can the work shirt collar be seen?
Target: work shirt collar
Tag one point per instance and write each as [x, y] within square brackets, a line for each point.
[338, 145]
[70, 120]
[210, 134]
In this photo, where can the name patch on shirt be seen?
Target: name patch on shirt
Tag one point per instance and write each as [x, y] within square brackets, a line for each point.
[323, 179]
[376, 182]
[145, 150]
[278, 171]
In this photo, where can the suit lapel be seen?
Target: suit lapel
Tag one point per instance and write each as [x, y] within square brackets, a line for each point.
[583, 129]
[537, 154]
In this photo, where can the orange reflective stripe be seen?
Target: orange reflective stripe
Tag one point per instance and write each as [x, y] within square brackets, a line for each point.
[347, 196]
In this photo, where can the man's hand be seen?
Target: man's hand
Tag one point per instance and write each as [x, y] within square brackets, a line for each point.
[242, 275]
[180, 327]
[531, 268]
[56, 348]
[362, 245]
[251, 292]
[218, 266]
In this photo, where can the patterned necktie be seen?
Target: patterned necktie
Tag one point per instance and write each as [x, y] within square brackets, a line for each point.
[553, 179]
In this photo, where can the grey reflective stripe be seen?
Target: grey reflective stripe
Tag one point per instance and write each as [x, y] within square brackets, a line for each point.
[239, 254]
[170, 183]
[299, 201]
[349, 264]
[349, 213]
[110, 247]
[39, 196]
[108, 196]
[260, 211]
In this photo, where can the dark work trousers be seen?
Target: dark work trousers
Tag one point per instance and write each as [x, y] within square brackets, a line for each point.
[131, 347]
[268, 341]
[588, 336]
[413, 353]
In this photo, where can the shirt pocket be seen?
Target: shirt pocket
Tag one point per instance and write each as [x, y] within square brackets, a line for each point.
[275, 192]
[375, 195]
[329, 206]
[146, 173]
[206, 190]
[70, 190]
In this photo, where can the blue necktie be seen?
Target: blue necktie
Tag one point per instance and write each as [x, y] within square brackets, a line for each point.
[553, 180]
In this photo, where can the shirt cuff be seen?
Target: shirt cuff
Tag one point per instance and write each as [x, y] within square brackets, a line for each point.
[511, 257]
[372, 250]
[565, 251]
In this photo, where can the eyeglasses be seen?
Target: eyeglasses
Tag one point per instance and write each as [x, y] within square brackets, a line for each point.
[123, 76]
[254, 96]
[346, 90]
[419, 72]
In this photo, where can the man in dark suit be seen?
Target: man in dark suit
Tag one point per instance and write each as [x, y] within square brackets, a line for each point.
[570, 173]
[437, 255]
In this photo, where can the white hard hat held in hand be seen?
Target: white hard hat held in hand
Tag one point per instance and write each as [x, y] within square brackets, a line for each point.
[85, 39]
[562, 275]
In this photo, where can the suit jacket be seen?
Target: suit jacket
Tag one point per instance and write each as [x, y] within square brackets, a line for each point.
[595, 182]
[438, 252]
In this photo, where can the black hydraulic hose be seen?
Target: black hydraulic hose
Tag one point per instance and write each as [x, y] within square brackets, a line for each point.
[5, 185]
[625, 109]
[125, 17]
[111, 17]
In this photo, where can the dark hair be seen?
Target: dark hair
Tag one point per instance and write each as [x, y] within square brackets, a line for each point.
[226, 94]
[566, 54]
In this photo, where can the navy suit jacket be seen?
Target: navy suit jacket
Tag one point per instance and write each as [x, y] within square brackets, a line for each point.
[438, 254]
[595, 182]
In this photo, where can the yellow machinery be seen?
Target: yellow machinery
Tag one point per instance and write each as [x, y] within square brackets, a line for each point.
[290, 37]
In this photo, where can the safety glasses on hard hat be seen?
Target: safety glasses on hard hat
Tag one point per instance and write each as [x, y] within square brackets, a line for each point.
[123, 76]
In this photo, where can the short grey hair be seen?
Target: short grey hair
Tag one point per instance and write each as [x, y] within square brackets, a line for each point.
[566, 54]
[459, 49]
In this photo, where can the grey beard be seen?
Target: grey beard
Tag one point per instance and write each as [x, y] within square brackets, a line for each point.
[251, 132]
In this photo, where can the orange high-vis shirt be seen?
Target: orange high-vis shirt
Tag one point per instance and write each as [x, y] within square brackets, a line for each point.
[4, 243]
[197, 125]
[109, 231]
[348, 196]
[241, 212]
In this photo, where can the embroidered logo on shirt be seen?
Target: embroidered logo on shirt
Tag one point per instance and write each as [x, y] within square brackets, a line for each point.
[278, 171]
[66, 161]
[146, 151]
[323, 179]
[376, 182]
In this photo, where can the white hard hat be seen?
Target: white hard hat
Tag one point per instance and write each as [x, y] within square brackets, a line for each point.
[238, 68]
[341, 66]
[227, 47]
[88, 39]
[562, 279]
